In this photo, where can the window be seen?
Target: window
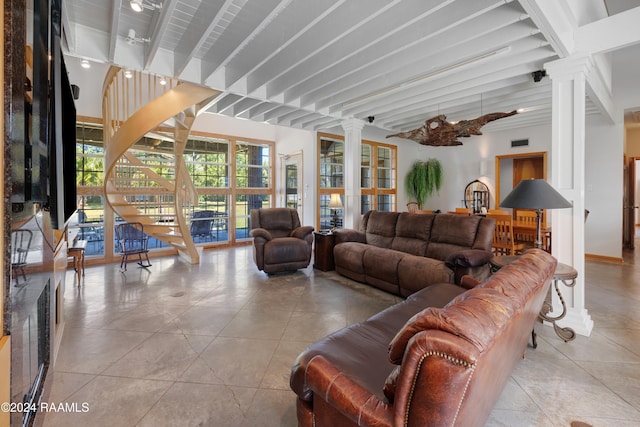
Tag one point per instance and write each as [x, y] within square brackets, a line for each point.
[378, 166]
[208, 162]
[331, 163]
[89, 180]
[231, 177]
[331, 179]
[377, 177]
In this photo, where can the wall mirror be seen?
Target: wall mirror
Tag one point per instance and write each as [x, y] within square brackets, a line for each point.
[476, 196]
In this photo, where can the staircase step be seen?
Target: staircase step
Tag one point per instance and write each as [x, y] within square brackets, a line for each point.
[135, 186]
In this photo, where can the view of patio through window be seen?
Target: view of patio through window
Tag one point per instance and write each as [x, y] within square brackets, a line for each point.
[231, 177]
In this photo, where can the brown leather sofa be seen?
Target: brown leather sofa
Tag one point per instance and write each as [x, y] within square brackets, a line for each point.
[280, 243]
[416, 364]
[405, 252]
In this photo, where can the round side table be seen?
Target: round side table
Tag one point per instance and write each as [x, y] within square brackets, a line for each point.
[567, 275]
[564, 273]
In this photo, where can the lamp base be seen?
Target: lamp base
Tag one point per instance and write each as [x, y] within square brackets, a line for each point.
[538, 227]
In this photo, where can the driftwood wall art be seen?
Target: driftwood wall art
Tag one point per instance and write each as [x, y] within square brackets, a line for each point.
[437, 131]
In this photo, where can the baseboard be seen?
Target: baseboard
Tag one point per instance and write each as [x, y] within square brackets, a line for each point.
[602, 258]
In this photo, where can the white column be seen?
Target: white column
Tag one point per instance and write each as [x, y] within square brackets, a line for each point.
[352, 145]
[569, 77]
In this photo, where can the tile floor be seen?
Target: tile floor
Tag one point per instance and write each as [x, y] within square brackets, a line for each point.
[212, 344]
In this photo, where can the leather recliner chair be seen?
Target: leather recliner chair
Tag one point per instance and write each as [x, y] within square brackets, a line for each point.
[280, 243]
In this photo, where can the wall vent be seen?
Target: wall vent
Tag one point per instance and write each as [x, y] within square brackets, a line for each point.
[519, 142]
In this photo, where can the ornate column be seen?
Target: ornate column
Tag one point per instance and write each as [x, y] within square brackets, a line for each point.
[569, 80]
[352, 146]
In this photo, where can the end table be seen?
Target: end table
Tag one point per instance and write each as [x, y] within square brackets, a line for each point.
[323, 253]
[563, 273]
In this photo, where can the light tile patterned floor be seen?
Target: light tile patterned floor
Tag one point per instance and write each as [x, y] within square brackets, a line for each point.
[212, 345]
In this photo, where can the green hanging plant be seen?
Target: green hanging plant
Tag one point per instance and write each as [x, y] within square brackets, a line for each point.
[423, 179]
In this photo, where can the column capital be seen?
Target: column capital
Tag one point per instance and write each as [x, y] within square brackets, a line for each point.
[570, 67]
[352, 124]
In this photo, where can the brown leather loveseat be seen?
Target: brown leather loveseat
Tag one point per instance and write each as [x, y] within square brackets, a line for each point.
[405, 252]
[280, 243]
[416, 364]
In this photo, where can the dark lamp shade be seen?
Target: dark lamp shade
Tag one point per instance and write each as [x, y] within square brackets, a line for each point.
[534, 194]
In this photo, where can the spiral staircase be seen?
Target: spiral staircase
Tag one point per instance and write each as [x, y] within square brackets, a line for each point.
[147, 121]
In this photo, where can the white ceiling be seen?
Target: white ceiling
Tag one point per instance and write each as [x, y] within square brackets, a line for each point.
[311, 63]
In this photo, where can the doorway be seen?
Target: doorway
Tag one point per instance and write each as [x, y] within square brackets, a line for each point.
[513, 168]
[630, 206]
[293, 182]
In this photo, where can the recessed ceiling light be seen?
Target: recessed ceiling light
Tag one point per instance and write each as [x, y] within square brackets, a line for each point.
[85, 64]
[128, 74]
[163, 81]
[136, 5]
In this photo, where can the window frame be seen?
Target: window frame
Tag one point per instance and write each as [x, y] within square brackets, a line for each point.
[229, 192]
[324, 193]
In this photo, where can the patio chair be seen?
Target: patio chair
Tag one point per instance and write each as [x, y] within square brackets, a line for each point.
[20, 245]
[132, 241]
[201, 224]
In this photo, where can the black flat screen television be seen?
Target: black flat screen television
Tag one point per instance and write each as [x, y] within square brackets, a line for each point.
[62, 147]
[43, 152]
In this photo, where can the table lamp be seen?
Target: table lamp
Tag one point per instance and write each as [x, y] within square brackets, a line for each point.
[535, 194]
[334, 204]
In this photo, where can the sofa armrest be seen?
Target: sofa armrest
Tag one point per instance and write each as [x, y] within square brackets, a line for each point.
[432, 385]
[302, 232]
[347, 396]
[348, 235]
[261, 232]
[468, 258]
[468, 282]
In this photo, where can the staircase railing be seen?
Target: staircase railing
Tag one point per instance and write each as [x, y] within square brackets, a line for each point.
[142, 182]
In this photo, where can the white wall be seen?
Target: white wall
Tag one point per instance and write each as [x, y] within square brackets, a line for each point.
[604, 188]
[90, 82]
[463, 164]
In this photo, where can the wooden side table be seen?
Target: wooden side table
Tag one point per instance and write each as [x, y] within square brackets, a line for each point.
[323, 254]
[76, 251]
[563, 273]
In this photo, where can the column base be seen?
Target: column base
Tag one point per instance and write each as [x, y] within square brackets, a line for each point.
[577, 319]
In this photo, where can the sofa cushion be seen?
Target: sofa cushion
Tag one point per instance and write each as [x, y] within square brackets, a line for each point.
[415, 273]
[290, 249]
[412, 233]
[452, 233]
[356, 348]
[350, 255]
[278, 221]
[382, 264]
[381, 228]
[458, 318]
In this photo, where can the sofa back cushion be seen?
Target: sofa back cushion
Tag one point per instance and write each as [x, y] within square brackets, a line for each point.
[412, 233]
[431, 235]
[381, 228]
[278, 221]
[452, 233]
